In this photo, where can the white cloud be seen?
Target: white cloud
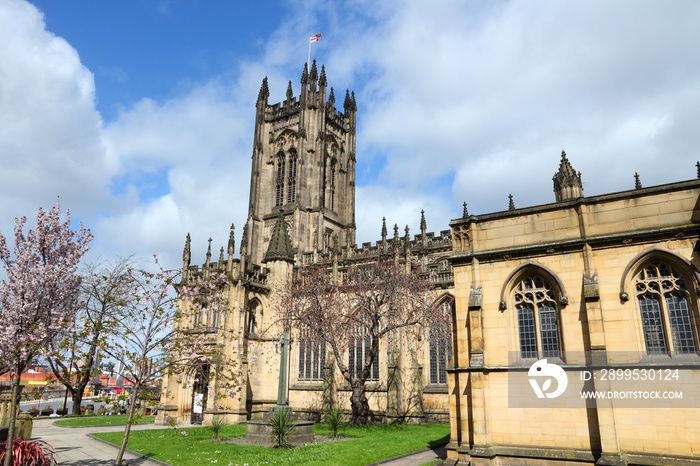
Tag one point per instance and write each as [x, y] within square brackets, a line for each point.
[458, 101]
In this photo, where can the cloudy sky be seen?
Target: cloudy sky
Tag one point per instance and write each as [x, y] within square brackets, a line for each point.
[138, 115]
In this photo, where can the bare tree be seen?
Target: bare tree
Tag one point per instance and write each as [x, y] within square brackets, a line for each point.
[154, 334]
[369, 302]
[74, 356]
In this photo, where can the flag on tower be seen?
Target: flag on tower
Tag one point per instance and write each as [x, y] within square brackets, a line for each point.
[315, 38]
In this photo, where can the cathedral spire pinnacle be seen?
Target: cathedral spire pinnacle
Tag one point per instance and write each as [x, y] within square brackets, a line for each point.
[264, 91]
[313, 75]
[385, 247]
[567, 183]
[322, 80]
[280, 247]
[305, 75]
[346, 107]
[396, 237]
[511, 204]
[208, 260]
[407, 240]
[331, 100]
[465, 212]
[231, 240]
[290, 93]
[637, 181]
[186, 254]
[423, 225]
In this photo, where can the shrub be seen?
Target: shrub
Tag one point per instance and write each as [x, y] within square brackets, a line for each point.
[34, 453]
[217, 424]
[282, 424]
[334, 420]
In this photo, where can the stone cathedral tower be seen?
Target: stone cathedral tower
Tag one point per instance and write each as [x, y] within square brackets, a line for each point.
[303, 169]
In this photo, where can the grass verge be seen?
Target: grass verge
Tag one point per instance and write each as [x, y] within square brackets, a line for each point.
[100, 421]
[361, 445]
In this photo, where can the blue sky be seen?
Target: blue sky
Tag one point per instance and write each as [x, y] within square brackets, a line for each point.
[139, 114]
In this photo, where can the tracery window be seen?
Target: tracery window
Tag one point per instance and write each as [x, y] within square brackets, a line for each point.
[538, 328]
[664, 303]
[197, 318]
[292, 178]
[331, 185]
[441, 344]
[312, 356]
[358, 354]
[213, 317]
[279, 191]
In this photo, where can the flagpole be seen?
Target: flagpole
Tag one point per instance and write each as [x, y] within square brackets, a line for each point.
[312, 39]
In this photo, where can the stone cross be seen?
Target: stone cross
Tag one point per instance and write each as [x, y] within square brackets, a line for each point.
[284, 356]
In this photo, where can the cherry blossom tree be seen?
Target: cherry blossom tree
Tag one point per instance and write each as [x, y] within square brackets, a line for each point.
[370, 301]
[154, 334]
[40, 293]
[74, 356]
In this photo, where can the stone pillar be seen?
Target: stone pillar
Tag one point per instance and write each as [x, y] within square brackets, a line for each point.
[330, 390]
[393, 404]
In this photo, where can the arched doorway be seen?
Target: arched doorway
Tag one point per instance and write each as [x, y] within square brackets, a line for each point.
[199, 394]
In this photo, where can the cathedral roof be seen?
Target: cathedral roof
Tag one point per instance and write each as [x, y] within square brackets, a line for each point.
[280, 247]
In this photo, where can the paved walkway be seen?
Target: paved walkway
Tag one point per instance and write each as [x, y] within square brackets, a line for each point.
[415, 459]
[73, 446]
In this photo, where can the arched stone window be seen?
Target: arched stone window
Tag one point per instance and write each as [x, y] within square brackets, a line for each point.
[358, 354]
[537, 314]
[312, 355]
[279, 188]
[667, 310]
[441, 343]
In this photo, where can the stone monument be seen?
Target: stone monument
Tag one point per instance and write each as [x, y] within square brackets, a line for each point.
[259, 431]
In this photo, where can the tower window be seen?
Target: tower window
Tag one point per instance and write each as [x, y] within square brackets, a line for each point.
[664, 303]
[279, 191]
[538, 328]
[292, 178]
[331, 194]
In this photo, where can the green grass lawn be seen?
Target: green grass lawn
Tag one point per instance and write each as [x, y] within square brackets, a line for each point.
[362, 445]
[80, 421]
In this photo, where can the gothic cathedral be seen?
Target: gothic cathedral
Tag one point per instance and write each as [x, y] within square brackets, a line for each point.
[301, 211]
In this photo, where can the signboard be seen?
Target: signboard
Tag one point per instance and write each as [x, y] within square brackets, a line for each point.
[198, 398]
